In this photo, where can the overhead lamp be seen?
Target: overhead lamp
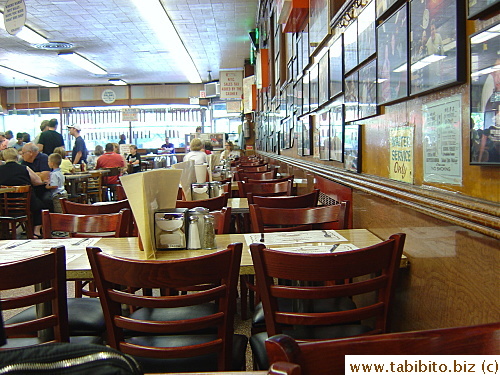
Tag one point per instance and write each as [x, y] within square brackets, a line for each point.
[158, 19]
[27, 34]
[82, 62]
[26, 77]
[117, 82]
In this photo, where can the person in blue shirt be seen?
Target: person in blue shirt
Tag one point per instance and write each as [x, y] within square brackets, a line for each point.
[79, 154]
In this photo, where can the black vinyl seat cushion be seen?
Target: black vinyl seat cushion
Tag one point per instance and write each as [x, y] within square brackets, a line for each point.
[193, 364]
[29, 341]
[85, 317]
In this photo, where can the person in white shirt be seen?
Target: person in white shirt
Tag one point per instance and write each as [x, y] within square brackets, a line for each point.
[198, 156]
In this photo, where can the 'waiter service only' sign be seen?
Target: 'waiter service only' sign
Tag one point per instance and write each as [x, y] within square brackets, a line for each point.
[231, 84]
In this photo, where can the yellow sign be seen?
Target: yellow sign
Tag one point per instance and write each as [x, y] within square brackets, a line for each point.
[401, 153]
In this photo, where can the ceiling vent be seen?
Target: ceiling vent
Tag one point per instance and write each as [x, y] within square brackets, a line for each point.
[54, 46]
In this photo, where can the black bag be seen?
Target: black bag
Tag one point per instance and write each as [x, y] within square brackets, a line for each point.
[65, 359]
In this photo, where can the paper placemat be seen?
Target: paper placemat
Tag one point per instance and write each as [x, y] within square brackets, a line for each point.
[321, 249]
[293, 238]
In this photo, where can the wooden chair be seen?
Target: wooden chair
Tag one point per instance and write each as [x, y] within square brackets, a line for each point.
[297, 201]
[110, 188]
[192, 332]
[243, 176]
[211, 203]
[272, 189]
[46, 275]
[367, 275]
[15, 209]
[85, 314]
[92, 188]
[327, 357]
[222, 220]
[264, 219]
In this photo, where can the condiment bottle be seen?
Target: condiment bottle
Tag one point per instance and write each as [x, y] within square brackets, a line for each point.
[200, 213]
[193, 235]
[209, 233]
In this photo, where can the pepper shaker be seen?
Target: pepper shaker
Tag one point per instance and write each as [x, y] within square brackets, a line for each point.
[209, 233]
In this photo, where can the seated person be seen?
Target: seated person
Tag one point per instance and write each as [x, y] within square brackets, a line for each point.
[56, 181]
[208, 147]
[134, 159]
[168, 146]
[66, 164]
[92, 159]
[230, 152]
[110, 159]
[39, 163]
[15, 174]
[196, 154]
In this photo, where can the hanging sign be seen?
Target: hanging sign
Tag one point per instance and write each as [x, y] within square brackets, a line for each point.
[231, 84]
[130, 114]
[442, 133]
[14, 16]
[401, 153]
[108, 96]
[194, 100]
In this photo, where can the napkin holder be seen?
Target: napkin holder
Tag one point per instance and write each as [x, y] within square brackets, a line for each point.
[170, 228]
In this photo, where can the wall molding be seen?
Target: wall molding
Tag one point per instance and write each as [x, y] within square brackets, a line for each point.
[475, 214]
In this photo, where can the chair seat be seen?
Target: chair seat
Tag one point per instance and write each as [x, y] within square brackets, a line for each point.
[194, 364]
[84, 314]
[22, 342]
[318, 306]
[13, 217]
[257, 341]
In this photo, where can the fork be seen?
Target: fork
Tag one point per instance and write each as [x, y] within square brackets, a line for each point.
[326, 233]
[79, 242]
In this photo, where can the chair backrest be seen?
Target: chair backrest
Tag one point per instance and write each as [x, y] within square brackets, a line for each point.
[211, 203]
[46, 274]
[16, 201]
[328, 356]
[297, 201]
[113, 171]
[265, 219]
[265, 190]
[93, 185]
[220, 269]
[252, 181]
[243, 176]
[101, 225]
[70, 207]
[351, 274]
[222, 220]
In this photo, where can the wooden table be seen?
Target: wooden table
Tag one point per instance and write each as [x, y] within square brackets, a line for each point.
[238, 205]
[72, 181]
[128, 247]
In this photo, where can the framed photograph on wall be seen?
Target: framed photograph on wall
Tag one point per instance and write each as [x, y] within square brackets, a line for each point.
[324, 134]
[392, 68]
[297, 97]
[352, 148]
[305, 92]
[366, 33]
[383, 6]
[336, 130]
[313, 87]
[479, 8]
[336, 68]
[351, 46]
[437, 46]
[318, 21]
[368, 90]
[351, 97]
[323, 80]
[485, 97]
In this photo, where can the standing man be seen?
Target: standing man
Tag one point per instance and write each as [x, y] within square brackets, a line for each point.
[50, 139]
[79, 153]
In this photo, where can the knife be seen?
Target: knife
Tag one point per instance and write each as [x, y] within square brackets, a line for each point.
[80, 242]
[334, 247]
[17, 244]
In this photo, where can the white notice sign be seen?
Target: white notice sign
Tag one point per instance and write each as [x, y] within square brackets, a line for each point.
[14, 16]
[130, 114]
[231, 84]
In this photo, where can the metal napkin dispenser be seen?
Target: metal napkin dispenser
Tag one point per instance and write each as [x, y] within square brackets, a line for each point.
[170, 228]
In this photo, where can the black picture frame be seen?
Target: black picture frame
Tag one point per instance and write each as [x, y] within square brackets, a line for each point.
[336, 67]
[323, 79]
[366, 33]
[351, 47]
[307, 136]
[313, 88]
[337, 130]
[367, 88]
[437, 45]
[323, 118]
[392, 67]
[352, 148]
[382, 6]
[305, 92]
[479, 8]
[351, 97]
[297, 97]
[485, 96]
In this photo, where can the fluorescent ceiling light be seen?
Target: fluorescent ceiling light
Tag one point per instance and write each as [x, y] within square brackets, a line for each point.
[160, 22]
[82, 62]
[26, 34]
[25, 77]
[117, 82]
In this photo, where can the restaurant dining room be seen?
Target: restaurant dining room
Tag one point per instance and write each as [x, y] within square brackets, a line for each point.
[297, 187]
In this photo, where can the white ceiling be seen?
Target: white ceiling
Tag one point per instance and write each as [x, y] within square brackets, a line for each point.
[112, 34]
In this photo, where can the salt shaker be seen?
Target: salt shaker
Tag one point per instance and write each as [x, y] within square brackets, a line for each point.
[209, 233]
[194, 235]
[200, 213]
